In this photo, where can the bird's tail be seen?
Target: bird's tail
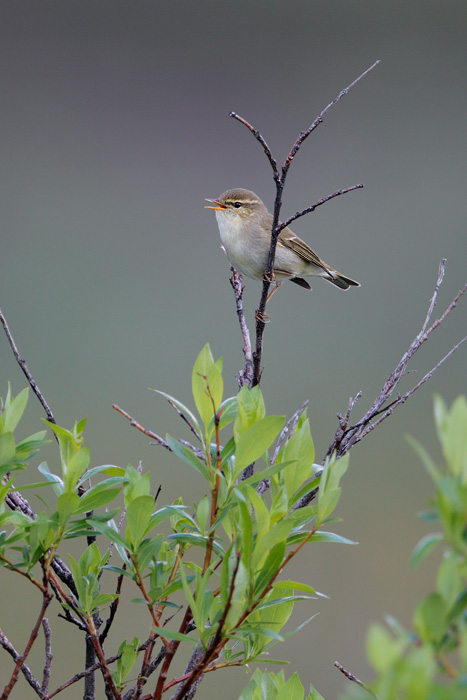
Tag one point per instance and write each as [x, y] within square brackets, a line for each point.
[341, 281]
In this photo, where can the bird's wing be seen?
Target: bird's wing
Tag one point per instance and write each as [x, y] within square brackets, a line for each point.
[289, 240]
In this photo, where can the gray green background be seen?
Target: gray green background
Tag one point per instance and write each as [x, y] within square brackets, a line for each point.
[114, 128]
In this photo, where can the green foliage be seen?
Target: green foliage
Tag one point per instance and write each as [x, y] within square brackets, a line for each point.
[273, 686]
[224, 558]
[431, 663]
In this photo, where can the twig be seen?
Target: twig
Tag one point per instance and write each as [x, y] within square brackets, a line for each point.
[184, 418]
[244, 376]
[314, 206]
[25, 670]
[346, 436]
[157, 439]
[113, 608]
[48, 656]
[212, 652]
[353, 678]
[319, 119]
[46, 598]
[276, 228]
[261, 140]
[135, 424]
[26, 372]
[284, 436]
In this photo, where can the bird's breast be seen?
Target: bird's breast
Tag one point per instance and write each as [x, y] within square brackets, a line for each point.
[243, 248]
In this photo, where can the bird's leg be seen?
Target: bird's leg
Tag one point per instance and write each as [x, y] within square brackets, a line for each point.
[264, 318]
[274, 289]
[261, 318]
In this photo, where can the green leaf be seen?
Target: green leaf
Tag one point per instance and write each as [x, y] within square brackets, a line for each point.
[56, 481]
[227, 413]
[301, 452]
[382, 649]
[327, 503]
[7, 448]
[14, 409]
[452, 431]
[425, 458]
[270, 567]
[181, 407]
[67, 504]
[108, 469]
[103, 599]
[320, 536]
[430, 618]
[207, 385]
[138, 515]
[188, 456]
[100, 494]
[174, 634]
[256, 439]
[250, 409]
[292, 690]
[298, 586]
[424, 547]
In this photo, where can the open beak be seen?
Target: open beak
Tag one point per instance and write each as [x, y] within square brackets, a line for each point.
[219, 206]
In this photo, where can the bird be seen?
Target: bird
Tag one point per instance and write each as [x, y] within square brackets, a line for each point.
[245, 229]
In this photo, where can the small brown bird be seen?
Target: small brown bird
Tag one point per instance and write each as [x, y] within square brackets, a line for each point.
[245, 230]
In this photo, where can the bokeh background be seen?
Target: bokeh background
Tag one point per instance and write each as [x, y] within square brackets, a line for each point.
[114, 128]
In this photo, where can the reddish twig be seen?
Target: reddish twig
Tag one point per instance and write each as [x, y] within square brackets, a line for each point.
[46, 598]
[25, 670]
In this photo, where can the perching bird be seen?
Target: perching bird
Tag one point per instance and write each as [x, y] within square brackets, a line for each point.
[245, 230]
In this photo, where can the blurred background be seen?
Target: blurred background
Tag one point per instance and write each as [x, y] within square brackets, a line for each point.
[115, 127]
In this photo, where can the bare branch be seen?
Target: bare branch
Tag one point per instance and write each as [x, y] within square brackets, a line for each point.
[48, 656]
[184, 418]
[261, 140]
[25, 670]
[46, 598]
[353, 678]
[311, 208]
[276, 228]
[346, 436]
[288, 430]
[304, 134]
[26, 372]
[135, 424]
[244, 376]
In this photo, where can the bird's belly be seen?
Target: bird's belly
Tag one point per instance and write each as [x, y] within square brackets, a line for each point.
[242, 252]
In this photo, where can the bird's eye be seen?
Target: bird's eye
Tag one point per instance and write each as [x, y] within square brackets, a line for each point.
[237, 205]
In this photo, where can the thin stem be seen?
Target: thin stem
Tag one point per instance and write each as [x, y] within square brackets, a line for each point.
[279, 179]
[48, 656]
[347, 436]
[47, 597]
[25, 370]
[246, 375]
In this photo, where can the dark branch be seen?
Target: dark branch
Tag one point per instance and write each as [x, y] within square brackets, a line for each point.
[346, 436]
[25, 670]
[261, 140]
[276, 227]
[26, 372]
[311, 208]
[319, 119]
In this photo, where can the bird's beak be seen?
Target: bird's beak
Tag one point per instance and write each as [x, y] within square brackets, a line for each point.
[219, 206]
